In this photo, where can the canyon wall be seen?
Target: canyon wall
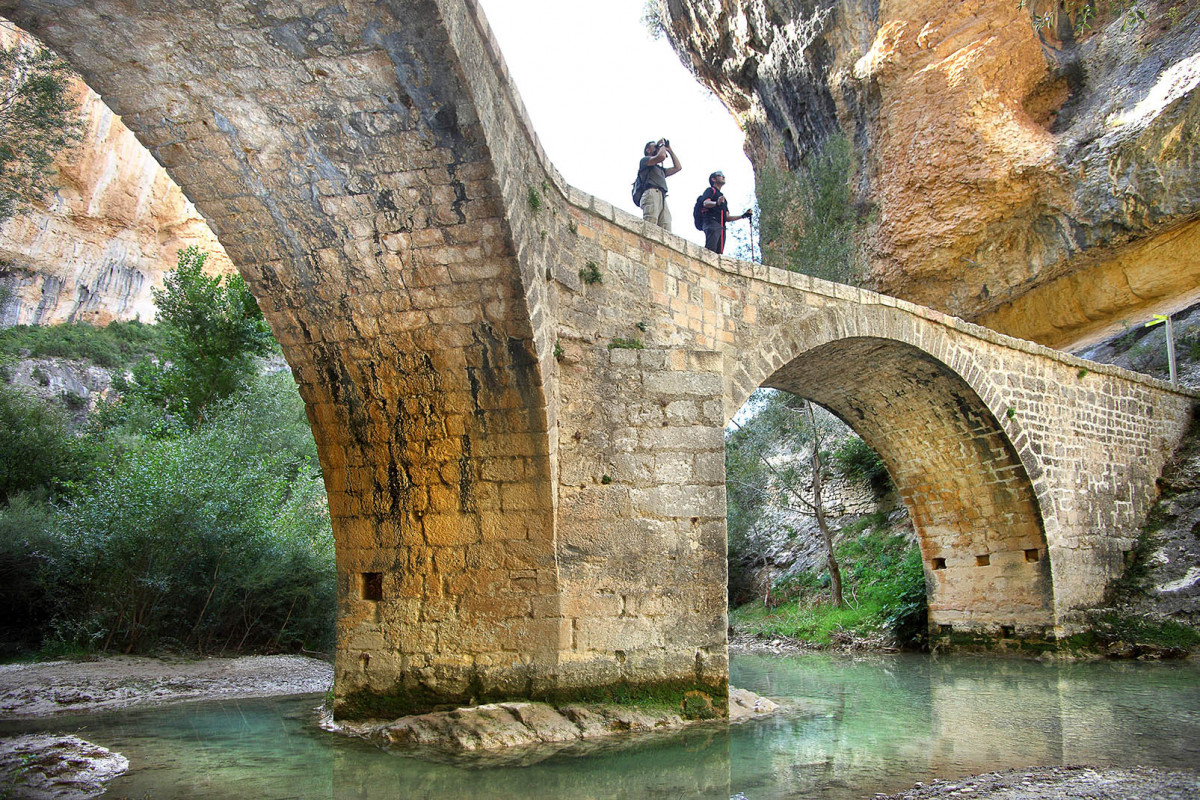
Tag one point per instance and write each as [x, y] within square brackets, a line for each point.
[1037, 174]
[95, 247]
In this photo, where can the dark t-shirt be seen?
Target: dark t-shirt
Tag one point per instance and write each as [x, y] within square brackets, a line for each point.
[655, 177]
[717, 214]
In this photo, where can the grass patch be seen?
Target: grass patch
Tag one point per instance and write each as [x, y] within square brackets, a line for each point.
[119, 344]
[815, 623]
[883, 584]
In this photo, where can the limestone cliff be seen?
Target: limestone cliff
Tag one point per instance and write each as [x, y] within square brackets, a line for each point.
[1035, 174]
[95, 248]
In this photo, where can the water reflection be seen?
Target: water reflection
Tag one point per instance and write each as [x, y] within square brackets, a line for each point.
[897, 720]
[855, 727]
[694, 764]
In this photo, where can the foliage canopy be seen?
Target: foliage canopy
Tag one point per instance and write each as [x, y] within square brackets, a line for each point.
[213, 331]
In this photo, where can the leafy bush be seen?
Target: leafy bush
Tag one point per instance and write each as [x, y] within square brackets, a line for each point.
[38, 451]
[117, 345]
[886, 572]
[856, 461]
[215, 541]
[29, 551]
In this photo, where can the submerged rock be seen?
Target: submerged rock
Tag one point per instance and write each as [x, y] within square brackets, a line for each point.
[528, 732]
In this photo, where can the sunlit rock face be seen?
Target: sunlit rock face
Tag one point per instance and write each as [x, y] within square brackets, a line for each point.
[1043, 183]
[93, 250]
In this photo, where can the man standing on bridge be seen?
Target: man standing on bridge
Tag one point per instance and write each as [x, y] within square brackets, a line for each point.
[714, 213]
[653, 176]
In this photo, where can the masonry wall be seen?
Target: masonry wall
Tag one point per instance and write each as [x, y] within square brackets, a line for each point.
[637, 449]
[337, 155]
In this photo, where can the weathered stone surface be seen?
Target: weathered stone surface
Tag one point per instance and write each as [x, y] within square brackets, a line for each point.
[48, 767]
[93, 251]
[744, 705]
[525, 726]
[1044, 187]
[512, 526]
[78, 386]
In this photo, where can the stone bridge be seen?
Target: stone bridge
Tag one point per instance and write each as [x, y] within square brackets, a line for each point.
[524, 504]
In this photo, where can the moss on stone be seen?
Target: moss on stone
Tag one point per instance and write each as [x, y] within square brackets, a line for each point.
[982, 641]
[1136, 635]
[689, 700]
[1107, 633]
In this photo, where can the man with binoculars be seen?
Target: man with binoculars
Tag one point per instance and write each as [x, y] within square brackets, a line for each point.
[653, 177]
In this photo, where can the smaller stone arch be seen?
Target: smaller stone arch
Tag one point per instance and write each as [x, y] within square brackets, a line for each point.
[977, 516]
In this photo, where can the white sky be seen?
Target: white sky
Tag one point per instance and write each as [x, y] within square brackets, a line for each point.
[598, 87]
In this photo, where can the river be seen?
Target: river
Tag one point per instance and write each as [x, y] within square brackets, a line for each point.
[854, 726]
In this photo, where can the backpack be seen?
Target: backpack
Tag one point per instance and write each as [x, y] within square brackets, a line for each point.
[698, 213]
[639, 187]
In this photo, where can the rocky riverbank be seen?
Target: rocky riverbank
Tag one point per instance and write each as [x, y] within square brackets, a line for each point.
[72, 687]
[1063, 783]
[48, 765]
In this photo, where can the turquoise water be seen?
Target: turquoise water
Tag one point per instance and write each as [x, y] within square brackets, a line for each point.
[856, 726]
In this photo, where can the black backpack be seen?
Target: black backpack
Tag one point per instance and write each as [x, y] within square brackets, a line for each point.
[698, 213]
[639, 186]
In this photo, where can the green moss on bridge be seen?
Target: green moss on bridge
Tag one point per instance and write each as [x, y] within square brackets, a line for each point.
[691, 700]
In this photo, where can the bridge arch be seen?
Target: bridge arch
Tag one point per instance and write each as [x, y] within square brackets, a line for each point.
[974, 508]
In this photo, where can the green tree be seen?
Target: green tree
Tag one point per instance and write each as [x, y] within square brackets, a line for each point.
[213, 331]
[762, 470]
[807, 219]
[38, 119]
[800, 484]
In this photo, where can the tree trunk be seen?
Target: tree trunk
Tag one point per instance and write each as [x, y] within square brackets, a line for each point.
[835, 572]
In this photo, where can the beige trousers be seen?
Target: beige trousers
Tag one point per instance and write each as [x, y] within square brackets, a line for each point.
[654, 208]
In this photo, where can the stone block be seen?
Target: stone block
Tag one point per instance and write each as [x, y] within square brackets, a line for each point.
[450, 530]
[694, 439]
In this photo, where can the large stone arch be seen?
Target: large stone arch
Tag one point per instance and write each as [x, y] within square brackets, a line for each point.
[973, 506]
[337, 154]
